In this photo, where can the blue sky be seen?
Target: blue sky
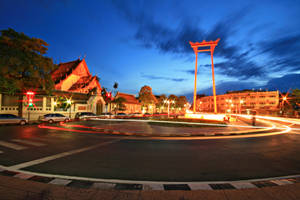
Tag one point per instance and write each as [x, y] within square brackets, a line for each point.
[137, 43]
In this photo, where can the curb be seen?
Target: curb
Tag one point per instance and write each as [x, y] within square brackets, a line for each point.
[81, 182]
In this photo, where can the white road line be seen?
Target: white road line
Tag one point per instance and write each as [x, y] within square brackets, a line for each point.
[104, 186]
[153, 187]
[282, 182]
[12, 146]
[38, 144]
[199, 186]
[59, 181]
[23, 176]
[243, 185]
[60, 155]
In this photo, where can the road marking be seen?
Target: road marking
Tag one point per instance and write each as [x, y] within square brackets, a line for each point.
[104, 186]
[59, 181]
[199, 186]
[12, 146]
[60, 155]
[23, 176]
[282, 182]
[153, 187]
[243, 185]
[38, 144]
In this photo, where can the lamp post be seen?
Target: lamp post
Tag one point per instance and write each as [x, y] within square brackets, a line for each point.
[69, 102]
[168, 102]
[241, 102]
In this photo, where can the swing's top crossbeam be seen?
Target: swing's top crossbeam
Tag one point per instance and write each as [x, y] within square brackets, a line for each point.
[204, 43]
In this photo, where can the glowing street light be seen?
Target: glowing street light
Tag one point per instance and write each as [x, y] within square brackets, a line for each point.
[69, 102]
[168, 102]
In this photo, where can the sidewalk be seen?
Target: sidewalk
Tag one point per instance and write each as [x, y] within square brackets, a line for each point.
[14, 188]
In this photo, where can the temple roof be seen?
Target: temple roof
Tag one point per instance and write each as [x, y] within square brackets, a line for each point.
[130, 98]
[64, 69]
[81, 83]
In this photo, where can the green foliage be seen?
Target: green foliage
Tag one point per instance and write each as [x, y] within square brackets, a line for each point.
[295, 100]
[146, 97]
[119, 103]
[181, 101]
[61, 104]
[23, 64]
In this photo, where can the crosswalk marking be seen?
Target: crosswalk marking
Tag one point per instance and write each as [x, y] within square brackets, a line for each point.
[12, 145]
[23, 176]
[199, 186]
[38, 144]
[59, 181]
[104, 186]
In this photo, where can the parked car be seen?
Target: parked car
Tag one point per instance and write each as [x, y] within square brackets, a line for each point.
[12, 119]
[136, 115]
[121, 115]
[106, 115]
[147, 115]
[85, 115]
[54, 117]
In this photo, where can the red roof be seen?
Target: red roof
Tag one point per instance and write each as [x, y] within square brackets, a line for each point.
[81, 83]
[64, 69]
[130, 98]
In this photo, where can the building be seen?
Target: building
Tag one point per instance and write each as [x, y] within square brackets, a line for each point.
[263, 102]
[73, 82]
[131, 103]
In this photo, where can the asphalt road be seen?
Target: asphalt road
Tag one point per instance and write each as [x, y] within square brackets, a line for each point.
[101, 156]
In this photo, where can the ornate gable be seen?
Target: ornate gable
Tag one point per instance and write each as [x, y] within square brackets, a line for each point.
[74, 76]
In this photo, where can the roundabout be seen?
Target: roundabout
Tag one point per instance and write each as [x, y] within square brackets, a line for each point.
[100, 151]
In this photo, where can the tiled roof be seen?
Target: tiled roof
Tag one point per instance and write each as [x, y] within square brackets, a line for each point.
[130, 98]
[81, 83]
[64, 69]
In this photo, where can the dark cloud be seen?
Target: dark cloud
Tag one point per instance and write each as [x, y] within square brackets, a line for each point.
[152, 77]
[284, 51]
[239, 67]
[176, 41]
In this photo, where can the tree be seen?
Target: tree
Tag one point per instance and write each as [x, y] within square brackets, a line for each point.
[116, 85]
[119, 104]
[23, 64]
[182, 101]
[295, 100]
[160, 102]
[146, 97]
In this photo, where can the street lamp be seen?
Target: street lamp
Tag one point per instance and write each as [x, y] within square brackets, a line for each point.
[69, 102]
[241, 102]
[168, 102]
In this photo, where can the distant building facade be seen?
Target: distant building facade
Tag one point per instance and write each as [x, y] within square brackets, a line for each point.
[131, 103]
[264, 102]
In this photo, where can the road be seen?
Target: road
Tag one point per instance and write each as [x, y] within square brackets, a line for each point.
[93, 155]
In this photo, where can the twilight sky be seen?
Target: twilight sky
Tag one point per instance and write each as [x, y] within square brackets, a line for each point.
[140, 43]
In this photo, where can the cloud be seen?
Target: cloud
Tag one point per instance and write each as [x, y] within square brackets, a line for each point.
[284, 52]
[152, 77]
[176, 40]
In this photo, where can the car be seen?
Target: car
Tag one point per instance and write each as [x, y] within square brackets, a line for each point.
[12, 119]
[147, 115]
[121, 115]
[85, 115]
[136, 115]
[106, 115]
[54, 117]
